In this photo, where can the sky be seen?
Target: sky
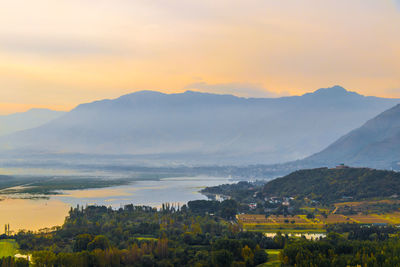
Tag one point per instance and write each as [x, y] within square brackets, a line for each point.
[58, 54]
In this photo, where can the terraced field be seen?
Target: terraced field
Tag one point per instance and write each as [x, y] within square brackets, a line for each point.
[370, 218]
[393, 218]
[333, 218]
[258, 222]
[364, 203]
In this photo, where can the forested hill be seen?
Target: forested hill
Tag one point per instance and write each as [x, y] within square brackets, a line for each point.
[331, 185]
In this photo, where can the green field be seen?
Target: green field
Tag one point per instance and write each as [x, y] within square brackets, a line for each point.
[292, 231]
[8, 247]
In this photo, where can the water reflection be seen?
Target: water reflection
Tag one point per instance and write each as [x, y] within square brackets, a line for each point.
[32, 214]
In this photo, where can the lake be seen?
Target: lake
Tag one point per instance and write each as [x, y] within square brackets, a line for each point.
[41, 213]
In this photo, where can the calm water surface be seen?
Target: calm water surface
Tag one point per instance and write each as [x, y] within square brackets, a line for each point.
[152, 193]
[37, 214]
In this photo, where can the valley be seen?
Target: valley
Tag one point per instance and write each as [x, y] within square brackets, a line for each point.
[199, 133]
[185, 206]
[255, 223]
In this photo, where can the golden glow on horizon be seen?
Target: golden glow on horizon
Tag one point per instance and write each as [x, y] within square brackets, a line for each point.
[58, 54]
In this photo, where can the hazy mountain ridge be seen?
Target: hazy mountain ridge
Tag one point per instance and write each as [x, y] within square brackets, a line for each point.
[25, 120]
[204, 128]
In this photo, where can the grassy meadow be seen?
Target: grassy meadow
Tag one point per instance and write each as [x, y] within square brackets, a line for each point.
[8, 247]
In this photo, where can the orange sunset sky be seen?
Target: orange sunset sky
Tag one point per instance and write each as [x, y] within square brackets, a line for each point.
[57, 54]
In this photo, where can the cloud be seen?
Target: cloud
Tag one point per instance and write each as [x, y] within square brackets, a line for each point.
[51, 46]
[238, 89]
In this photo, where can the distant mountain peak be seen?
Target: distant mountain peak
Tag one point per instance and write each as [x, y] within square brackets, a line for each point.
[334, 91]
[143, 93]
[336, 88]
[195, 93]
[199, 93]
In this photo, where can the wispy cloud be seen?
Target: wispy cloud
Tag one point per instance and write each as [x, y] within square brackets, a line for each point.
[238, 89]
[52, 46]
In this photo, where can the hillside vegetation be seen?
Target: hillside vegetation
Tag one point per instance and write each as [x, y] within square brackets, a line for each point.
[332, 185]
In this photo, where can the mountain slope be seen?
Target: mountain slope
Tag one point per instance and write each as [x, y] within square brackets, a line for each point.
[26, 120]
[204, 128]
[375, 144]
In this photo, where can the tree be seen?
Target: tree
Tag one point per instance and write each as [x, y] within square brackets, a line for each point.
[222, 258]
[44, 258]
[310, 216]
[260, 256]
[99, 242]
[162, 248]
[147, 261]
[82, 241]
[247, 255]
[229, 209]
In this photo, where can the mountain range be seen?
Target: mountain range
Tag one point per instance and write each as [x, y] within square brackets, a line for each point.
[26, 120]
[203, 128]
